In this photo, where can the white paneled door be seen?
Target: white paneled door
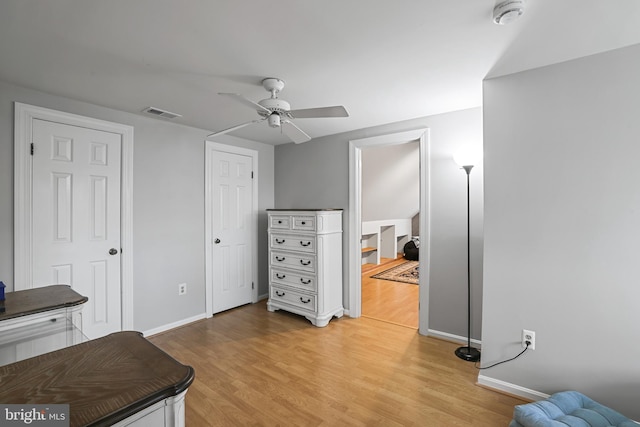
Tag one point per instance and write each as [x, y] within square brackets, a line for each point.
[76, 218]
[231, 216]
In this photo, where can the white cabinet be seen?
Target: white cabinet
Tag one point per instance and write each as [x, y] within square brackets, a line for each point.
[169, 412]
[305, 263]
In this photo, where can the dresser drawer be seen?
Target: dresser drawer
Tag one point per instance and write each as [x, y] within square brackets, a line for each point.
[304, 223]
[292, 242]
[280, 222]
[298, 299]
[295, 279]
[299, 262]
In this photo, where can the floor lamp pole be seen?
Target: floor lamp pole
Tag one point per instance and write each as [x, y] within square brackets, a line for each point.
[468, 353]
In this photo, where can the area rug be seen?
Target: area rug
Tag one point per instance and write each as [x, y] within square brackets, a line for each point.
[407, 272]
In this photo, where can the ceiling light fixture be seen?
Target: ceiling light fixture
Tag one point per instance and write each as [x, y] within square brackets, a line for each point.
[507, 11]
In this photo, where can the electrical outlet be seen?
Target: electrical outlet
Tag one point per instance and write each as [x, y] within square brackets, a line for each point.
[182, 289]
[529, 336]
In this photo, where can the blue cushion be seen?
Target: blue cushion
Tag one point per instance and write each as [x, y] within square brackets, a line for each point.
[568, 408]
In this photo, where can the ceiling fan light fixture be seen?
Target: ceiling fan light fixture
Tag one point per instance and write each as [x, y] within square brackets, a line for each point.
[274, 120]
[507, 11]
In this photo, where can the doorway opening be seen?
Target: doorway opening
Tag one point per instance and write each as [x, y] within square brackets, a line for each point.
[390, 211]
[355, 218]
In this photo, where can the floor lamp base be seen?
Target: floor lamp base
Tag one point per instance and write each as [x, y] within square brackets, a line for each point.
[469, 354]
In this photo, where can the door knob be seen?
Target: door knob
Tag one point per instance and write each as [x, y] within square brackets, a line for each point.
[216, 241]
[113, 251]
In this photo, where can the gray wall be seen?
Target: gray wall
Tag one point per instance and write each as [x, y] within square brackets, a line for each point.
[168, 205]
[316, 175]
[562, 226]
[391, 182]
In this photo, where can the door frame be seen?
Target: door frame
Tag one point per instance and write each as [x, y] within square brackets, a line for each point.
[210, 147]
[23, 194]
[355, 217]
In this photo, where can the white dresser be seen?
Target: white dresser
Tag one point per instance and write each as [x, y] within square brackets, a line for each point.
[305, 267]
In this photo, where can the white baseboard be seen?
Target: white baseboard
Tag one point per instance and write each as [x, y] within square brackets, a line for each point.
[177, 324]
[451, 337]
[489, 382]
[506, 387]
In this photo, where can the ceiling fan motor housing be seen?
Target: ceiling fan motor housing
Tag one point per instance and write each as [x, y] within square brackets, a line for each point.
[274, 105]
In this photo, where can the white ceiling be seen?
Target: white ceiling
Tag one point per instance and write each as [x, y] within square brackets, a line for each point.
[384, 61]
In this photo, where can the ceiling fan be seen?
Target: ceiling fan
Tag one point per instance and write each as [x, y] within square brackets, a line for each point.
[278, 114]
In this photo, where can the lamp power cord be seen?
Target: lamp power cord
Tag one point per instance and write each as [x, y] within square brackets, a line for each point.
[527, 343]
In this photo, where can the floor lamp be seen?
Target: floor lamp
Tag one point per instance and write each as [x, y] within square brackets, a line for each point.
[468, 353]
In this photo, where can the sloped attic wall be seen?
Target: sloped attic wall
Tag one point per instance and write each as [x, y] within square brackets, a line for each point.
[391, 182]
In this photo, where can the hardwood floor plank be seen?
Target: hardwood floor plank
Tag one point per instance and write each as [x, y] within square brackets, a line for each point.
[257, 368]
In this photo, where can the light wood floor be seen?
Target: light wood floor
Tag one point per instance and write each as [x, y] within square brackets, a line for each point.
[276, 369]
[394, 302]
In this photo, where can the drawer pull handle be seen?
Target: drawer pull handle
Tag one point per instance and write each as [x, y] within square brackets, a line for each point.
[304, 244]
[305, 282]
[305, 262]
[278, 241]
[280, 294]
[307, 301]
[280, 222]
[280, 276]
[303, 222]
[280, 259]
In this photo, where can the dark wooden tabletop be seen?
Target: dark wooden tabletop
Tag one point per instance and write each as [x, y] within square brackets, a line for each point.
[103, 380]
[36, 300]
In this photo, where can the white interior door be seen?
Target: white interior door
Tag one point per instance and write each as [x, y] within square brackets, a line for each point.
[231, 229]
[76, 218]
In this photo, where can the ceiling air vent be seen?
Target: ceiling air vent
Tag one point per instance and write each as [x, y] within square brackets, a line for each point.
[161, 113]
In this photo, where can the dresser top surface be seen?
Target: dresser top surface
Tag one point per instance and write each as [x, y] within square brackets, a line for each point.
[37, 300]
[103, 380]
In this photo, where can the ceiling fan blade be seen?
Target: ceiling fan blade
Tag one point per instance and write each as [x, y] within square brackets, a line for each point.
[245, 101]
[312, 113]
[231, 129]
[294, 133]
